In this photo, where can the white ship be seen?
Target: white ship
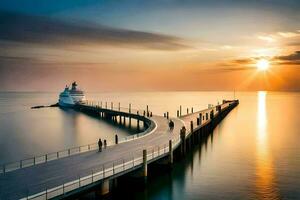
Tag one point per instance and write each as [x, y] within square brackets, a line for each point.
[70, 97]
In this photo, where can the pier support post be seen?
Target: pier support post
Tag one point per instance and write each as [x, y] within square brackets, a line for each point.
[180, 111]
[138, 124]
[200, 119]
[129, 122]
[104, 187]
[145, 169]
[170, 153]
[147, 109]
[183, 141]
[192, 134]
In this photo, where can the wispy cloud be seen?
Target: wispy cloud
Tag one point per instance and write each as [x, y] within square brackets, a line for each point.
[48, 31]
[268, 38]
[288, 34]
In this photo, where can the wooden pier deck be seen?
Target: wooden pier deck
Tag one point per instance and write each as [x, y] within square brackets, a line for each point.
[63, 177]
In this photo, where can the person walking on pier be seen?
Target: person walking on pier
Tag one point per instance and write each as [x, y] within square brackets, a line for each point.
[171, 125]
[105, 144]
[100, 144]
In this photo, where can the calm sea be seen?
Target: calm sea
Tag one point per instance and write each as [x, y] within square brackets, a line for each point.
[253, 154]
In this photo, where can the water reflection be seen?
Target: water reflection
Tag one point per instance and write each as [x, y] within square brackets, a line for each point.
[265, 182]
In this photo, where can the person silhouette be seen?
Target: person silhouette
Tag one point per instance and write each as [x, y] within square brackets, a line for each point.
[100, 144]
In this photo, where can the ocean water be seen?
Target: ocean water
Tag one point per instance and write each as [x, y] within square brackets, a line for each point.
[253, 154]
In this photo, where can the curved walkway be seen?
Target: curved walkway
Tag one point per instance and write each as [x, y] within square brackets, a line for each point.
[13, 185]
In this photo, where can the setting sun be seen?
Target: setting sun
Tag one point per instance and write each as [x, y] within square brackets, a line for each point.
[262, 64]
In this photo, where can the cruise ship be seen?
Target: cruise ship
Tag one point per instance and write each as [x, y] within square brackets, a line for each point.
[70, 97]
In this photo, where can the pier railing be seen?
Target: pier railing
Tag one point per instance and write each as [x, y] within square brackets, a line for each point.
[97, 173]
[28, 162]
[127, 163]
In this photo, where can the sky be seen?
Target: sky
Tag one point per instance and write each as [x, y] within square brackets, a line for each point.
[157, 45]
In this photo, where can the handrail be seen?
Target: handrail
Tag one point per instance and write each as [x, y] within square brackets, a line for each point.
[27, 162]
[101, 172]
[114, 168]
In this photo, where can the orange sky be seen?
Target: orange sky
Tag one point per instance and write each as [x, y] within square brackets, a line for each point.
[174, 46]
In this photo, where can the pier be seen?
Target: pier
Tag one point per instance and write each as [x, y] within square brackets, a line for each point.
[72, 172]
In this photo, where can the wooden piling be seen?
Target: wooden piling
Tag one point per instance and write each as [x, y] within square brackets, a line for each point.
[183, 140]
[147, 109]
[180, 111]
[145, 169]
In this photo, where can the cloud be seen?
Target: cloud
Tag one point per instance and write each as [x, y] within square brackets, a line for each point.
[288, 34]
[292, 59]
[266, 38]
[48, 31]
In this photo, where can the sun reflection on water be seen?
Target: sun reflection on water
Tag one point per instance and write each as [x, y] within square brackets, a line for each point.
[265, 182]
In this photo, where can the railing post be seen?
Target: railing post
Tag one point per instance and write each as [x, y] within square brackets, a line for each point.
[103, 172]
[92, 176]
[152, 153]
[119, 106]
[106, 105]
[20, 164]
[57, 155]
[69, 151]
[123, 165]
[113, 168]
[46, 158]
[33, 160]
[79, 181]
[130, 108]
[133, 160]
[112, 105]
[63, 188]
[89, 147]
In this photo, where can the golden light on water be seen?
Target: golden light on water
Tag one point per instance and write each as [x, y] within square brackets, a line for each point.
[265, 181]
[263, 64]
